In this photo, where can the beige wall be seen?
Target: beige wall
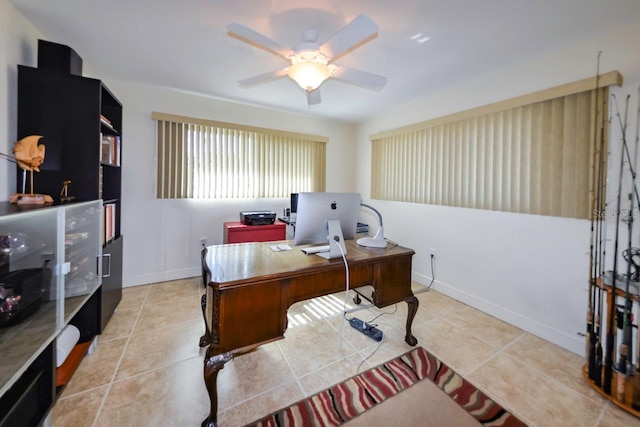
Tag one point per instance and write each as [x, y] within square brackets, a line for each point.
[18, 45]
[162, 237]
[529, 270]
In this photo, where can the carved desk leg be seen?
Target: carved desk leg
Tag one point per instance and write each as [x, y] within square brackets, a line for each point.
[212, 365]
[412, 303]
[205, 339]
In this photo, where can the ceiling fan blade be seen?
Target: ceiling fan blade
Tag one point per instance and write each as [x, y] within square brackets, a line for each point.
[359, 78]
[247, 35]
[313, 97]
[264, 78]
[353, 35]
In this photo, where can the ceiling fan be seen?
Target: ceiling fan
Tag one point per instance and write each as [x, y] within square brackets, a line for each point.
[310, 63]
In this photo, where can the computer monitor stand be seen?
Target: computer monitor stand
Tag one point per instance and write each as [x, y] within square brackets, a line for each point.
[336, 241]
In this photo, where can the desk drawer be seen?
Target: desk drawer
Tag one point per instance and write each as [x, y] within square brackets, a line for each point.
[247, 315]
[310, 286]
[396, 276]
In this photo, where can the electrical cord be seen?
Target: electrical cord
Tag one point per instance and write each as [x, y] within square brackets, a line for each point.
[344, 309]
[370, 322]
[433, 275]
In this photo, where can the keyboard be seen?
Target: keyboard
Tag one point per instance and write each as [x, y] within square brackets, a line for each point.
[315, 249]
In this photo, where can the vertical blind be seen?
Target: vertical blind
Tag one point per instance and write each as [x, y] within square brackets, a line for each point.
[535, 158]
[205, 159]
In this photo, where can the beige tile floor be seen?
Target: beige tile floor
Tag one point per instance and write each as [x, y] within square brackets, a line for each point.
[147, 368]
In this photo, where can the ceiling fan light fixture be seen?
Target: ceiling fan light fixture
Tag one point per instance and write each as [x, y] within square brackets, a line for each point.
[311, 63]
[309, 75]
[309, 68]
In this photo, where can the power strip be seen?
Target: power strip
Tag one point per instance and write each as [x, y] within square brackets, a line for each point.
[370, 331]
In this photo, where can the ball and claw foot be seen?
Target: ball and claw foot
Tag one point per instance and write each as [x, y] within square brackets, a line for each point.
[411, 340]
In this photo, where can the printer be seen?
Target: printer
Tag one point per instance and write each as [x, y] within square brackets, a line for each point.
[257, 217]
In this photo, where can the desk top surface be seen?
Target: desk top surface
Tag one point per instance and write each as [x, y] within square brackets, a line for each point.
[245, 262]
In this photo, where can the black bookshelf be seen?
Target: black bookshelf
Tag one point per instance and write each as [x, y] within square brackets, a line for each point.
[75, 115]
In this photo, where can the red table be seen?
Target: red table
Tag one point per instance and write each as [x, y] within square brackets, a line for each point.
[237, 232]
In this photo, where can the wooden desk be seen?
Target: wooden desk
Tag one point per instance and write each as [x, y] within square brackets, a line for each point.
[252, 287]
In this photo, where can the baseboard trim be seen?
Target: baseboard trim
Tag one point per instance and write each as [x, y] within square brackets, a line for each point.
[569, 342]
[164, 276]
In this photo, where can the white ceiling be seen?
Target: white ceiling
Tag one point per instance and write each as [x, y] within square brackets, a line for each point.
[183, 44]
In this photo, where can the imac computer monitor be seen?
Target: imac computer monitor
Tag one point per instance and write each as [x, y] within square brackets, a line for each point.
[316, 209]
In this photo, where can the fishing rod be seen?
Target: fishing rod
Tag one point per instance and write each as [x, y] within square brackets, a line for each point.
[635, 398]
[608, 358]
[603, 177]
[635, 401]
[625, 346]
[598, 317]
[593, 264]
[625, 147]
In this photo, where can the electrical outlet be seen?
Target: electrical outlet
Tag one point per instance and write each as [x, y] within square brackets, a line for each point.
[46, 256]
[432, 251]
[203, 242]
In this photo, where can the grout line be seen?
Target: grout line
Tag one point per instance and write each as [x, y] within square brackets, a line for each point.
[115, 371]
[467, 375]
[542, 373]
[255, 396]
[562, 384]
[357, 352]
[159, 368]
[498, 352]
[602, 412]
[290, 369]
[78, 393]
[488, 392]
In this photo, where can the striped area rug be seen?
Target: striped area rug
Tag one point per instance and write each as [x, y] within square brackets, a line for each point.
[345, 401]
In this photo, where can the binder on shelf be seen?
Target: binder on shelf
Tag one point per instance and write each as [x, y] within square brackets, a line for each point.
[106, 122]
[100, 181]
[116, 155]
[109, 229]
[110, 150]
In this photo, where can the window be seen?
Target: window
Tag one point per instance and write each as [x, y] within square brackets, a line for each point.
[532, 154]
[205, 159]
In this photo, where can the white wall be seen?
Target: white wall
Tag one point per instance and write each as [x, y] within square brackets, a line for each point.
[162, 237]
[18, 45]
[529, 270]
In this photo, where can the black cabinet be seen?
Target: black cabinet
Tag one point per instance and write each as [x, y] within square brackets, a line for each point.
[111, 290]
[80, 122]
[28, 401]
[49, 267]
